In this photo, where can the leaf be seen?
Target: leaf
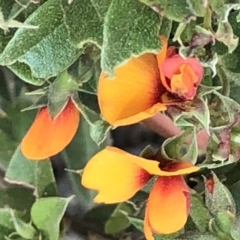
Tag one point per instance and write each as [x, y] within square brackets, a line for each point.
[59, 92]
[118, 221]
[99, 131]
[46, 50]
[235, 191]
[222, 9]
[80, 11]
[235, 230]
[98, 128]
[218, 197]
[198, 110]
[130, 29]
[138, 223]
[25, 230]
[76, 155]
[173, 147]
[225, 34]
[199, 214]
[35, 174]
[9, 195]
[6, 224]
[47, 214]
[180, 11]
[166, 27]
[198, 236]
[23, 71]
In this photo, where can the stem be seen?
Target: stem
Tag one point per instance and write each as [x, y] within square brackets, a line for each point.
[225, 91]
[207, 20]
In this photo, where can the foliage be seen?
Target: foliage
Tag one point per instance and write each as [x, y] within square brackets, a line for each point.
[54, 50]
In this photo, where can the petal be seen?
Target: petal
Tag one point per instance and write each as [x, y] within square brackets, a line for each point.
[114, 174]
[169, 168]
[168, 205]
[184, 83]
[171, 65]
[172, 168]
[147, 228]
[133, 90]
[47, 137]
[163, 52]
[152, 111]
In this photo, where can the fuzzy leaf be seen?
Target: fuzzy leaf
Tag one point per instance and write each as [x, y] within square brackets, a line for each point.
[199, 214]
[118, 220]
[218, 197]
[45, 50]
[180, 11]
[80, 11]
[47, 214]
[130, 29]
[39, 174]
[76, 155]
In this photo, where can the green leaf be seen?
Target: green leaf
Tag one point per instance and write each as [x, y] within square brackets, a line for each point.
[23, 71]
[59, 92]
[235, 190]
[225, 34]
[235, 230]
[98, 128]
[35, 174]
[166, 27]
[218, 197]
[9, 195]
[25, 230]
[198, 110]
[222, 224]
[47, 214]
[130, 29]
[45, 50]
[76, 155]
[222, 9]
[199, 236]
[199, 214]
[80, 11]
[118, 220]
[6, 224]
[180, 11]
[173, 147]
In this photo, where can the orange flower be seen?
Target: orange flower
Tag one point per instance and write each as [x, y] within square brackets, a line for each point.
[146, 84]
[118, 175]
[46, 136]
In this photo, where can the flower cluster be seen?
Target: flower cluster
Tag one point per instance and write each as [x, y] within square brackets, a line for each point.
[142, 87]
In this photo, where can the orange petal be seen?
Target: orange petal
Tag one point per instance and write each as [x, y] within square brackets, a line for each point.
[47, 137]
[183, 83]
[163, 52]
[133, 90]
[114, 174]
[146, 227]
[168, 205]
[170, 168]
[171, 65]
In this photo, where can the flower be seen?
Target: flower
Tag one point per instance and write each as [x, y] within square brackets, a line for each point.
[118, 175]
[146, 84]
[46, 136]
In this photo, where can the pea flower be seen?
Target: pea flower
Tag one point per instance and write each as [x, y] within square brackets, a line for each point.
[118, 175]
[46, 136]
[146, 84]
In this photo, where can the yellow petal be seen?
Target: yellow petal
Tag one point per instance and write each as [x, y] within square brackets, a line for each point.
[130, 95]
[168, 205]
[47, 137]
[114, 175]
[163, 52]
